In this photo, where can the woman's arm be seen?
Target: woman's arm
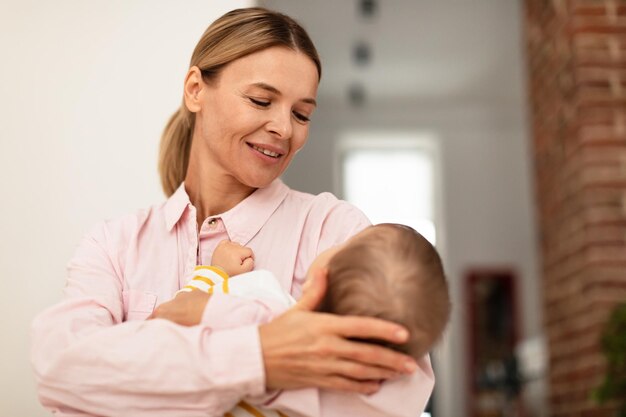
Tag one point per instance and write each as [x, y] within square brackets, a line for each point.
[87, 360]
[303, 348]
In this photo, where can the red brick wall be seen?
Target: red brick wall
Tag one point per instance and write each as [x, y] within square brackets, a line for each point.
[577, 81]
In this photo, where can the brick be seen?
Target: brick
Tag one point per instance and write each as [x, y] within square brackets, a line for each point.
[597, 41]
[573, 316]
[602, 195]
[564, 270]
[596, 411]
[598, 116]
[607, 254]
[587, 96]
[600, 24]
[606, 214]
[598, 8]
[574, 392]
[605, 234]
[599, 50]
[603, 174]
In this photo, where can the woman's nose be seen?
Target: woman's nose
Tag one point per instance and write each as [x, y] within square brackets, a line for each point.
[280, 124]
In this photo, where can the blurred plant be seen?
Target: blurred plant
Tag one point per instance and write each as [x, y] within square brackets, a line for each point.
[614, 348]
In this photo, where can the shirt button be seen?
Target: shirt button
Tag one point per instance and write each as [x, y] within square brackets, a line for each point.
[212, 223]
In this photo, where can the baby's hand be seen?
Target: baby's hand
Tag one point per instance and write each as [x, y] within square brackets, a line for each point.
[233, 258]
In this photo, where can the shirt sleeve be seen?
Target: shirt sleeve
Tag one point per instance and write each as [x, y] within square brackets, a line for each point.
[341, 223]
[231, 311]
[404, 397]
[87, 360]
[330, 222]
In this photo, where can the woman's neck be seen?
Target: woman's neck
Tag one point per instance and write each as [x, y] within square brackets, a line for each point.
[212, 192]
[211, 198]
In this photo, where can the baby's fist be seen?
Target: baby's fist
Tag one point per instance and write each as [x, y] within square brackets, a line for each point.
[233, 258]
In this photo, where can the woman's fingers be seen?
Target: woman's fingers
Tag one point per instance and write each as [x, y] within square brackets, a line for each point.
[380, 362]
[362, 360]
[369, 328]
[354, 327]
[300, 377]
[356, 371]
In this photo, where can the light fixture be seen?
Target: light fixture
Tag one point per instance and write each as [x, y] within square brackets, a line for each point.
[368, 8]
[361, 53]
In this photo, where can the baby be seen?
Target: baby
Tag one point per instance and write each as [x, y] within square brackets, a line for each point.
[387, 271]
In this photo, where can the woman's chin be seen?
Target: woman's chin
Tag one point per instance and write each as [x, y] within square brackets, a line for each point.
[259, 181]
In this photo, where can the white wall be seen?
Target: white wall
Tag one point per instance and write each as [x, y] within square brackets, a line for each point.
[86, 89]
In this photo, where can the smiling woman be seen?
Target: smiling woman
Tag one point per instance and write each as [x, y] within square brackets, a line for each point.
[250, 122]
[224, 43]
[247, 100]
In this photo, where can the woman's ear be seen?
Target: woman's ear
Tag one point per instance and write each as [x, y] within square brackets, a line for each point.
[194, 85]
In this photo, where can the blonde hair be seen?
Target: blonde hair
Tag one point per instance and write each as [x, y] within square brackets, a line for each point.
[392, 273]
[234, 35]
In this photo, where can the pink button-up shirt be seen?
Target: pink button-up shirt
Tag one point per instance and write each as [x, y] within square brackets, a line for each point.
[94, 354]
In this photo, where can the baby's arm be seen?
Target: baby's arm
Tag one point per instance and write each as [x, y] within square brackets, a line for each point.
[229, 259]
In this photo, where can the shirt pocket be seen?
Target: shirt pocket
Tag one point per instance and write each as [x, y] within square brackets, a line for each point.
[138, 304]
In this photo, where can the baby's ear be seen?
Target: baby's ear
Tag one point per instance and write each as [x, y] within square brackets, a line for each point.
[324, 305]
[313, 289]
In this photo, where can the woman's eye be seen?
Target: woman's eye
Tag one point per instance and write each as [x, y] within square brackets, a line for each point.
[259, 102]
[301, 117]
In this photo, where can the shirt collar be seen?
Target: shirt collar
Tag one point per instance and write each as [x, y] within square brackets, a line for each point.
[244, 220]
[175, 206]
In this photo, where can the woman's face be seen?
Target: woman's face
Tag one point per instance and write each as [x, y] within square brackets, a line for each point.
[255, 116]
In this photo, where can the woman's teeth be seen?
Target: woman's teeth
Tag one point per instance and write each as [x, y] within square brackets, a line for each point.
[266, 152]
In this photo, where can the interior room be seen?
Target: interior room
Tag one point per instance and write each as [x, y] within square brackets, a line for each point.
[496, 129]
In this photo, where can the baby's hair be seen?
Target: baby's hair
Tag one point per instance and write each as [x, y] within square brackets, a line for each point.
[391, 272]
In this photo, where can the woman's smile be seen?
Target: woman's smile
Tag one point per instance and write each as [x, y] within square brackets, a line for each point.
[267, 151]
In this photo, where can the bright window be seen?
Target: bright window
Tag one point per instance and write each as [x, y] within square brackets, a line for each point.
[391, 178]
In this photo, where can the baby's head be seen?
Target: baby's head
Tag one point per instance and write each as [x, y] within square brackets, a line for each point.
[390, 271]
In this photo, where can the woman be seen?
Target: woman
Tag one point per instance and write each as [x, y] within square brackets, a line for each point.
[248, 98]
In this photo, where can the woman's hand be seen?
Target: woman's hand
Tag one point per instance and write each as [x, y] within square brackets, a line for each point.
[303, 348]
[185, 309]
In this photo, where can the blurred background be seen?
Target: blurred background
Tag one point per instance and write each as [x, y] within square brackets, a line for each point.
[496, 128]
